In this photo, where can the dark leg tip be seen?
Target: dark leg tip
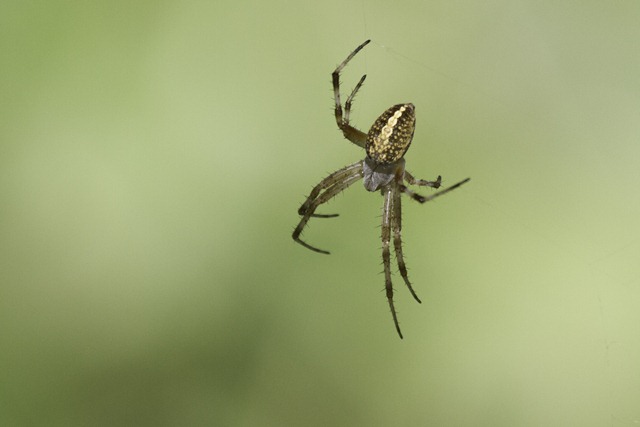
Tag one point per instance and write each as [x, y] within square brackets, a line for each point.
[313, 248]
[324, 215]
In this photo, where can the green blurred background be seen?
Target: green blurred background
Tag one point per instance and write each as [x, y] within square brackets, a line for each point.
[153, 156]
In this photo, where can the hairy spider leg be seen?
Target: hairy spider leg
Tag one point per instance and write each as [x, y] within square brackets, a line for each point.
[422, 182]
[351, 133]
[387, 212]
[328, 194]
[422, 199]
[347, 104]
[396, 223]
[326, 183]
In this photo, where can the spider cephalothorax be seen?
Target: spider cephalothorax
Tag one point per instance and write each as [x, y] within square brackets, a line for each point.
[383, 169]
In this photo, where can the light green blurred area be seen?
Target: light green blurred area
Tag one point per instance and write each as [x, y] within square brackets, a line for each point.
[152, 159]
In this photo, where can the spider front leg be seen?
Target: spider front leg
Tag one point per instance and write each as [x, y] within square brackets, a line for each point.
[332, 185]
[387, 213]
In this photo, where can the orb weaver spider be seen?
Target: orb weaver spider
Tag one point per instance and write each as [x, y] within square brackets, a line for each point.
[382, 169]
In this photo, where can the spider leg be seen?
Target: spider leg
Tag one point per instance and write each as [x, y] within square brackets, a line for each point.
[336, 187]
[396, 225]
[324, 215]
[352, 134]
[347, 105]
[326, 183]
[421, 182]
[423, 199]
[386, 256]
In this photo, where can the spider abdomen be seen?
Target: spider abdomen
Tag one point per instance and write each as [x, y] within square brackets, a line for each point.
[391, 134]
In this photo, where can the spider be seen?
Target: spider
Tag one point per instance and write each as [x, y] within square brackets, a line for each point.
[382, 169]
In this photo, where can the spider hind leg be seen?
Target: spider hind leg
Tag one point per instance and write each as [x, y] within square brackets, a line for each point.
[396, 225]
[387, 214]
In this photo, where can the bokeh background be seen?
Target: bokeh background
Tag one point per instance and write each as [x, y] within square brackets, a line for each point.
[154, 154]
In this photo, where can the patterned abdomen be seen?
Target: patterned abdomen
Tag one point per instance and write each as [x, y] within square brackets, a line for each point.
[391, 134]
